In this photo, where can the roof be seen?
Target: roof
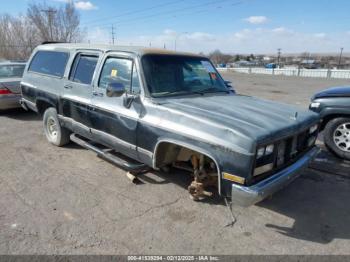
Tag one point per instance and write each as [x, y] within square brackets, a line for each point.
[138, 50]
[11, 63]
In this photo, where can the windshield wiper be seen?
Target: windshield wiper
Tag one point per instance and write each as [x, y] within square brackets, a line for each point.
[213, 90]
[179, 92]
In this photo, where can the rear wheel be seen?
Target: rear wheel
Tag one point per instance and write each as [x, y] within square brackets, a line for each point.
[55, 133]
[337, 137]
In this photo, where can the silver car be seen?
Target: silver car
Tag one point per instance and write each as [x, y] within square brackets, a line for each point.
[10, 78]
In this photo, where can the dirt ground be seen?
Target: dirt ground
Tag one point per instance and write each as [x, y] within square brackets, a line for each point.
[68, 201]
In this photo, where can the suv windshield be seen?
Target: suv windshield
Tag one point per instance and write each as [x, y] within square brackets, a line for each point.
[180, 75]
[8, 71]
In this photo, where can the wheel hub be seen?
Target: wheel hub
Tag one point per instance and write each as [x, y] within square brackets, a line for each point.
[52, 127]
[341, 137]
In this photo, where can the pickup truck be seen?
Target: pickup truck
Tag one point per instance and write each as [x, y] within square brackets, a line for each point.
[333, 105]
[152, 108]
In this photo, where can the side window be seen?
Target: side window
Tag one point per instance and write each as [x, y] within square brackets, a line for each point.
[49, 63]
[116, 70]
[136, 87]
[83, 69]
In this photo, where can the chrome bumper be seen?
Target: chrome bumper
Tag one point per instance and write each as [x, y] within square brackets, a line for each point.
[247, 196]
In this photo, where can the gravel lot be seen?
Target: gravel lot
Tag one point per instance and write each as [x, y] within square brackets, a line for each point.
[68, 201]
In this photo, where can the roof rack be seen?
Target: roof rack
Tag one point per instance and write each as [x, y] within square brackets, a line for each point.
[52, 42]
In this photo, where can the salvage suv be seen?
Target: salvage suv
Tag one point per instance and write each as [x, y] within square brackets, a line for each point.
[147, 108]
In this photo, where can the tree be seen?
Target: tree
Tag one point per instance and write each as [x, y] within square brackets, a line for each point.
[237, 58]
[20, 35]
[219, 58]
[55, 24]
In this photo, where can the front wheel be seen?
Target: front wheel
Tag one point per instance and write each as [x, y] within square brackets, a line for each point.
[337, 137]
[55, 133]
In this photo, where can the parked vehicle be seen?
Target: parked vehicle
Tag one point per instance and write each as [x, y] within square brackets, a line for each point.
[271, 66]
[10, 78]
[164, 109]
[334, 107]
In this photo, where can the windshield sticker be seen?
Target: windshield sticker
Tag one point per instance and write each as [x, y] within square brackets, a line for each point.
[208, 66]
[114, 72]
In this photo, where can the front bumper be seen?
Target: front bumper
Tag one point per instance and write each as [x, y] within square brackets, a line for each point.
[247, 196]
[9, 101]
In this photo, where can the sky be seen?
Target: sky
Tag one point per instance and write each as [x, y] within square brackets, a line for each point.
[233, 26]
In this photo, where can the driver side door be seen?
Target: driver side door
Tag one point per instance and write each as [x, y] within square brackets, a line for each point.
[113, 124]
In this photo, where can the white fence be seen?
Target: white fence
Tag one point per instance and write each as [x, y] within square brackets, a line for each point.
[322, 73]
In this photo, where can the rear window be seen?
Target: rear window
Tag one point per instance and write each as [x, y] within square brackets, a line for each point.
[49, 63]
[83, 69]
[9, 71]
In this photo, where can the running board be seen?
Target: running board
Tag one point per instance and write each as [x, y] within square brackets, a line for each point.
[104, 154]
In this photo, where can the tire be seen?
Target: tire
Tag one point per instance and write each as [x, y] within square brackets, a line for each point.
[337, 137]
[55, 133]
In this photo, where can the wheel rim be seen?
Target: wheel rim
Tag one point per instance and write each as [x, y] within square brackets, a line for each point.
[52, 127]
[341, 137]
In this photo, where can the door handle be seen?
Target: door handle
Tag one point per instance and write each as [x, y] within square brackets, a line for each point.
[98, 94]
[68, 87]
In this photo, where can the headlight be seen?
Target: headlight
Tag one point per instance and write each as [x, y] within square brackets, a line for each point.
[315, 105]
[264, 159]
[269, 150]
[313, 129]
[260, 153]
[265, 151]
[263, 169]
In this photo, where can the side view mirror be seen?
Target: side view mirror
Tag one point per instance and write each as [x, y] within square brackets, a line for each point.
[230, 86]
[115, 89]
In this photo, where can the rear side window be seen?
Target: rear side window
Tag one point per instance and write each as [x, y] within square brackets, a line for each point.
[49, 63]
[8, 71]
[83, 69]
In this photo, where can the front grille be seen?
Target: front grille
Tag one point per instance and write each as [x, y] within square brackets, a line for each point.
[287, 151]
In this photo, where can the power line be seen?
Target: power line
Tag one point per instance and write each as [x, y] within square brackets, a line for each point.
[131, 23]
[173, 11]
[131, 12]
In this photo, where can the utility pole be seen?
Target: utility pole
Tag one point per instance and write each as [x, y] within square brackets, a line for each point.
[49, 13]
[113, 34]
[341, 53]
[278, 56]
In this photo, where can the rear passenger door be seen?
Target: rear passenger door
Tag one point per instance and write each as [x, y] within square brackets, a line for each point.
[78, 89]
[113, 123]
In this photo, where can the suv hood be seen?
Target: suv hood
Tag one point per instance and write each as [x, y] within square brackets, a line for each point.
[239, 120]
[334, 92]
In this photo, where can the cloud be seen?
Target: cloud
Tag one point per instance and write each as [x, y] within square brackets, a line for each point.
[245, 41]
[320, 35]
[256, 20]
[85, 5]
[169, 32]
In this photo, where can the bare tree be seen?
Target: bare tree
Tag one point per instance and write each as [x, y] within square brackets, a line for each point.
[18, 38]
[20, 35]
[218, 57]
[55, 24]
